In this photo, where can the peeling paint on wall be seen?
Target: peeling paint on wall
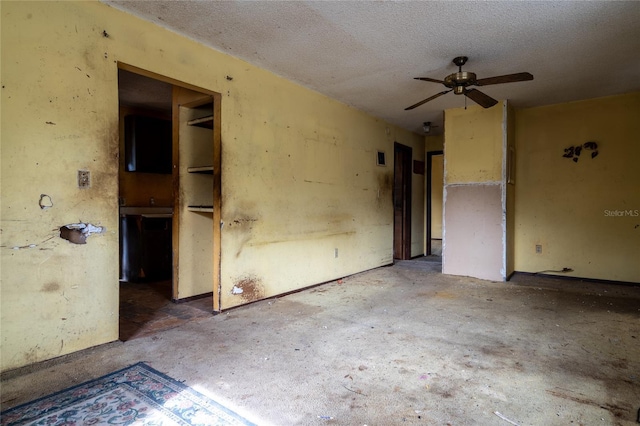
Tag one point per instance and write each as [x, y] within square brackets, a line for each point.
[266, 186]
[77, 233]
[29, 246]
[24, 247]
[45, 202]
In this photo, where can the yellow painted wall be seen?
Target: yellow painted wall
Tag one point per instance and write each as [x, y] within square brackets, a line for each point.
[299, 174]
[569, 208]
[59, 115]
[478, 136]
[434, 143]
[437, 175]
[307, 198]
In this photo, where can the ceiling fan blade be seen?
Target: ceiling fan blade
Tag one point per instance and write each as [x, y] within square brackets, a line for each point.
[427, 100]
[433, 80]
[480, 98]
[509, 78]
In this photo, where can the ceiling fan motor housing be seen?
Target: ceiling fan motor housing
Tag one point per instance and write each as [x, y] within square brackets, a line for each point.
[459, 81]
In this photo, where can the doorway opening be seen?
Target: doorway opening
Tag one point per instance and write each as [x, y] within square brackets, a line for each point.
[403, 156]
[435, 185]
[149, 198]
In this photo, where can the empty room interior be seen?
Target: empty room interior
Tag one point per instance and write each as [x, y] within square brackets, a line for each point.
[326, 212]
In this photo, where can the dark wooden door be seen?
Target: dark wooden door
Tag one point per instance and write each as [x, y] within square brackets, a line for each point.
[432, 187]
[402, 202]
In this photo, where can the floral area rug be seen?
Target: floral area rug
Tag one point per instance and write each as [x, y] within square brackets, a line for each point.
[134, 395]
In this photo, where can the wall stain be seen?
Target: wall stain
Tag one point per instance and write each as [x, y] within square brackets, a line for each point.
[385, 189]
[242, 221]
[107, 170]
[252, 288]
[305, 236]
[243, 226]
[385, 183]
[50, 287]
[33, 355]
[242, 243]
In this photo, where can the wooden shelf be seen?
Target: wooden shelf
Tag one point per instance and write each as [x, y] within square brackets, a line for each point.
[203, 169]
[201, 209]
[206, 122]
[198, 191]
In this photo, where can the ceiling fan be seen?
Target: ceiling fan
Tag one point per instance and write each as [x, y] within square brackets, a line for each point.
[459, 82]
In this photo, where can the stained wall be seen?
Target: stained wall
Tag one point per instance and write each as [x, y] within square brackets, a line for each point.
[300, 178]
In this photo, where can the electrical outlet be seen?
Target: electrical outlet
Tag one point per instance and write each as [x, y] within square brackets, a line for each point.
[84, 179]
[335, 253]
[539, 248]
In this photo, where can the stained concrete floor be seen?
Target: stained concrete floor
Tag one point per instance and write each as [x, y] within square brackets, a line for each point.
[400, 345]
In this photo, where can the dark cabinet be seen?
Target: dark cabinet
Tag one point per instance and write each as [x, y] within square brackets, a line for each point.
[145, 248]
[148, 144]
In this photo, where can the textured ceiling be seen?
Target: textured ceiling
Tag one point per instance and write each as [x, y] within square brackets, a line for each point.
[366, 54]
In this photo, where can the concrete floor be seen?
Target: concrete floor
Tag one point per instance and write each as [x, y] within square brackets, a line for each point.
[394, 346]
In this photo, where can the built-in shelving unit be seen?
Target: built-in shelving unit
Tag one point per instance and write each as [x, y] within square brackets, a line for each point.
[197, 171]
[199, 182]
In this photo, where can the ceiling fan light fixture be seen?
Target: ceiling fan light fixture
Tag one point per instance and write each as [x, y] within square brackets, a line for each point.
[459, 83]
[426, 126]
